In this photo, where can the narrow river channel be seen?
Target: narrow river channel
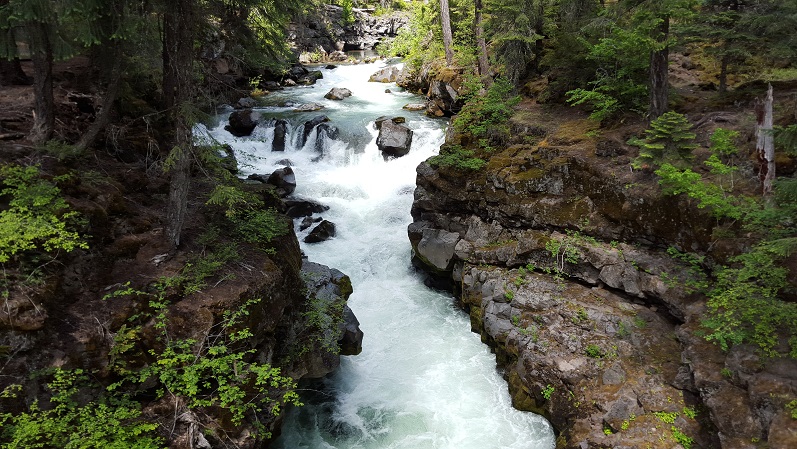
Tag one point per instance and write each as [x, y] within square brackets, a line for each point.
[423, 379]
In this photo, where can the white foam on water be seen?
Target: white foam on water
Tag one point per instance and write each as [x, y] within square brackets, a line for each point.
[423, 379]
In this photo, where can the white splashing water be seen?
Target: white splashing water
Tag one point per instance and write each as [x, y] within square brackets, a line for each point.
[423, 379]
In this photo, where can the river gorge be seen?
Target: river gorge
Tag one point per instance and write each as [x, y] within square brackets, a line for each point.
[423, 379]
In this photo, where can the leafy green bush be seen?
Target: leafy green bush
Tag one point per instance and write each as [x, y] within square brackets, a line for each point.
[457, 157]
[216, 371]
[744, 306]
[251, 222]
[112, 421]
[485, 117]
[669, 139]
[37, 217]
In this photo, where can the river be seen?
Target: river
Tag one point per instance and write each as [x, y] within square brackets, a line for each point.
[423, 379]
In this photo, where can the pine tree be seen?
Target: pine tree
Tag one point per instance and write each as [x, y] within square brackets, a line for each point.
[668, 139]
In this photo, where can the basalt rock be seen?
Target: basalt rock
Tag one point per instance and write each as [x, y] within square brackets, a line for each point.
[309, 126]
[308, 107]
[280, 131]
[397, 120]
[387, 75]
[297, 208]
[393, 139]
[284, 180]
[325, 32]
[560, 263]
[338, 93]
[243, 122]
[327, 290]
[322, 232]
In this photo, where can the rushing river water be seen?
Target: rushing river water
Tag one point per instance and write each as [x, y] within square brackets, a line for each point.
[423, 379]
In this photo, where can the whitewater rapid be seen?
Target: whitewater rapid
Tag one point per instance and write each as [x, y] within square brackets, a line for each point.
[423, 379]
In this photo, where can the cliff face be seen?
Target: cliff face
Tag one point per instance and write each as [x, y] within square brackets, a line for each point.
[325, 30]
[560, 258]
[293, 312]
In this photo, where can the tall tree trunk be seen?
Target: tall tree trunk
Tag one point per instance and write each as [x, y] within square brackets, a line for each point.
[178, 57]
[111, 92]
[765, 143]
[448, 38]
[723, 76]
[44, 104]
[659, 70]
[484, 65]
[11, 72]
[539, 45]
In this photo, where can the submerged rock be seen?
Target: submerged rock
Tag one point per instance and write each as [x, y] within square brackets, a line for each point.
[309, 107]
[297, 208]
[338, 93]
[322, 232]
[415, 106]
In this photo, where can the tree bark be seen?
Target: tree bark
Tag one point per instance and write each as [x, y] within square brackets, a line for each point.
[659, 71]
[765, 143]
[111, 92]
[44, 104]
[484, 65]
[448, 39]
[11, 72]
[723, 76]
[178, 57]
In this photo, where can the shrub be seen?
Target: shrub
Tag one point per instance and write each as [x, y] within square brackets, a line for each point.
[37, 218]
[455, 156]
[485, 117]
[112, 421]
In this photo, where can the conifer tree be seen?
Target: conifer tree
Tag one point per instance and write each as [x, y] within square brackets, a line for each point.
[668, 139]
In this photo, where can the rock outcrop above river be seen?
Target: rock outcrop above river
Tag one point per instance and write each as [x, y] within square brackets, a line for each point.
[563, 270]
[68, 323]
[323, 31]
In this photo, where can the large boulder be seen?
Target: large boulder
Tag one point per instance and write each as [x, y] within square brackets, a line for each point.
[351, 341]
[243, 122]
[338, 55]
[338, 329]
[394, 139]
[338, 93]
[324, 231]
[297, 71]
[284, 180]
[386, 75]
[436, 249]
[280, 131]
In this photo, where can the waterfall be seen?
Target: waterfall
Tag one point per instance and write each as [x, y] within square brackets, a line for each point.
[423, 379]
